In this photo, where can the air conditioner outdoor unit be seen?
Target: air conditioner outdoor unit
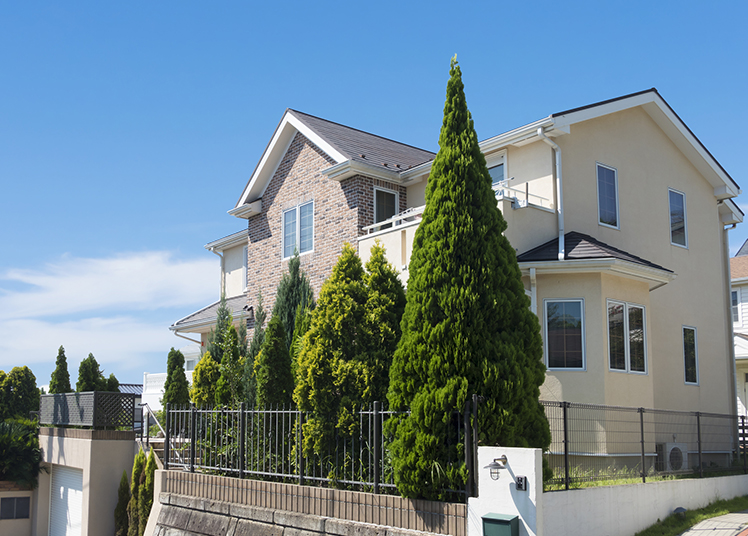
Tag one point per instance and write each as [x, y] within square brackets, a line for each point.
[672, 457]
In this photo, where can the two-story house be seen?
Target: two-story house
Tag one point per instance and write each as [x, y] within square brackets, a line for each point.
[618, 214]
[739, 312]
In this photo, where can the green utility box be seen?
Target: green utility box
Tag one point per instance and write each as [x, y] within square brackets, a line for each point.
[500, 525]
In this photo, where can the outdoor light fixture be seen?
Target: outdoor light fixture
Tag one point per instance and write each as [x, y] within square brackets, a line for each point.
[495, 466]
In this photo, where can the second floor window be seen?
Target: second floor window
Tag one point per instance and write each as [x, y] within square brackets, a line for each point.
[385, 205]
[298, 229]
[678, 229]
[607, 196]
[734, 303]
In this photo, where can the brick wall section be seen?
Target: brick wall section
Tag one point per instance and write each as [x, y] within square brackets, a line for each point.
[6, 485]
[341, 210]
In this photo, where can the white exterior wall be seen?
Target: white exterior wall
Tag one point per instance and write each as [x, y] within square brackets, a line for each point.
[234, 265]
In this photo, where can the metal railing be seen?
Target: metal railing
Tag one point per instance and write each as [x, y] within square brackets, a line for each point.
[268, 444]
[521, 198]
[93, 408]
[596, 442]
[408, 215]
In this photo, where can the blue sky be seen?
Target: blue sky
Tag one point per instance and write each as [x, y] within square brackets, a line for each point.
[127, 130]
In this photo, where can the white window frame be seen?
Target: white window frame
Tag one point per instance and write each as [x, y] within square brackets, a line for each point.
[597, 186]
[245, 267]
[739, 321]
[385, 190]
[297, 209]
[696, 352]
[627, 349]
[583, 368]
[496, 160]
[685, 218]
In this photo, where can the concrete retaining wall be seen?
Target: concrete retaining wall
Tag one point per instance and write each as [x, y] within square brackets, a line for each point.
[180, 515]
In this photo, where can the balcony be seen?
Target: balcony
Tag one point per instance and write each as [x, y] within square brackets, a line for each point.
[93, 409]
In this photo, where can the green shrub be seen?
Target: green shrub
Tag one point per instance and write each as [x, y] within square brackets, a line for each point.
[20, 454]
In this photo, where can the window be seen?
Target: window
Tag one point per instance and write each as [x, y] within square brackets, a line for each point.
[607, 196]
[244, 267]
[678, 227]
[735, 306]
[690, 355]
[564, 330]
[627, 347]
[298, 229]
[15, 507]
[497, 174]
[385, 206]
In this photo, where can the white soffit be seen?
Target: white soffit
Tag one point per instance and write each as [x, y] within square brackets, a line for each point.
[276, 149]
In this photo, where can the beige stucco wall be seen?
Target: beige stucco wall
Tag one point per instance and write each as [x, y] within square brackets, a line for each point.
[234, 270]
[417, 194]
[102, 462]
[17, 527]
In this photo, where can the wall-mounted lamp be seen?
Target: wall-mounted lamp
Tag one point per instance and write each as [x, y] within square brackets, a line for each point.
[495, 467]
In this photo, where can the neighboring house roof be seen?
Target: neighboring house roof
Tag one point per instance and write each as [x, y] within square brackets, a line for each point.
[207, 315]
[581, 246]
[739, 267]
[743, 250]
[131, 388]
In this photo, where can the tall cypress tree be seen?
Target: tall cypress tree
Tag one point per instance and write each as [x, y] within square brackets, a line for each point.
[204, 380]
[273, 367]
[258, 338]
[176, 390]
[120, 511]
[60, 380]
[90, 377]
[217, 334]
[294, 289]
[467, 326]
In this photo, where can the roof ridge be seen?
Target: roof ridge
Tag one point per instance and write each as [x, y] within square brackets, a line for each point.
[361, 131]
[607, 101]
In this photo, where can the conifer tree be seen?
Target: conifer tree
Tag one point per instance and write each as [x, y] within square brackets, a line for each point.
[133, 512]
[467, 326]
[273, 367]
[294, 289]
[332, 375]
[176, 390]
[112, 384]
[90, 377]
[120, 511]
[217, 334]
[145, 493]
[230, 386]
[385, 305]
[20, 393]
[258, 338]
[303, 323]
[60, 380]
[204, 380]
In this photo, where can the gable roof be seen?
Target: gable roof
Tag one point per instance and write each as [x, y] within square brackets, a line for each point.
[739, 267]
[743, 250]
[339, 142]
[580, 246]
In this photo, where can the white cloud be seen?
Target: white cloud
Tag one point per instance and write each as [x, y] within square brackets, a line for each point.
[136, 281]
[118, 308]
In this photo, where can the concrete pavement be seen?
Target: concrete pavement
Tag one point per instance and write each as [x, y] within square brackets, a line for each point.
[735, 524]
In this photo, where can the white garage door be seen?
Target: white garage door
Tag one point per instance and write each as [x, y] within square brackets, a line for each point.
[66, 504]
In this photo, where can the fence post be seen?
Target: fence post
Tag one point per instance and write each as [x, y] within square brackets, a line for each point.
[468, 450]
[641, 427]
[147, 428]
[741, 442]
[166, 437]
[474, 474]
[192, 438]
[565, 406]
[300, 446]
[242, 434]
[377, 443]
[95, 410]
[698, 435]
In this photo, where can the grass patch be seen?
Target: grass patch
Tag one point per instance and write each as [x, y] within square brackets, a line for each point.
[674, 525]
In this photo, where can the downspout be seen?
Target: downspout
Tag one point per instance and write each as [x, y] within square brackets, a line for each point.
[728, 315]
[559, 194]
[533, 292]
[223, 272]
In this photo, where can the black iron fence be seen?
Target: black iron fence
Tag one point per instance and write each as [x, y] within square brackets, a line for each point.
[595, 442]
[95, 409]
[267, 444]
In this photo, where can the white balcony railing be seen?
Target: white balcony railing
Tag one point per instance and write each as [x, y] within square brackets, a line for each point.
[409, 215]
[519, 198]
